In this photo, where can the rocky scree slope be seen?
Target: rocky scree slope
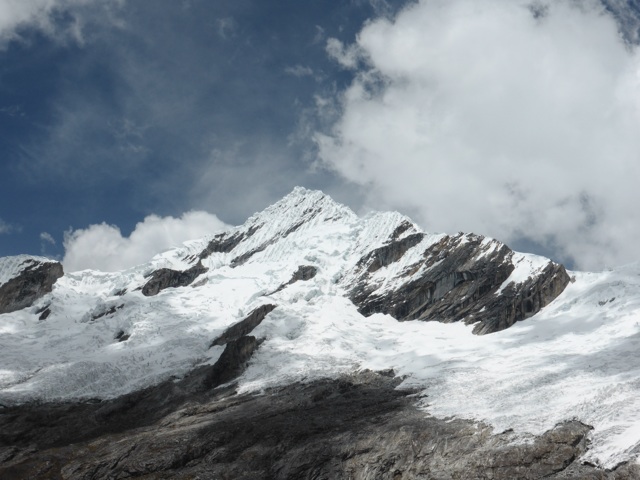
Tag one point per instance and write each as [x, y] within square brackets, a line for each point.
[357, 426]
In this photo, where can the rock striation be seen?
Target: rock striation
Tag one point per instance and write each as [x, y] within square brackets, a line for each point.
[24, 279]
[457, 278]
[169, 278]
[358, 426]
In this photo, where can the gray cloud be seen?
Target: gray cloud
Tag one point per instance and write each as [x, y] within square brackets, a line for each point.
[487, 116]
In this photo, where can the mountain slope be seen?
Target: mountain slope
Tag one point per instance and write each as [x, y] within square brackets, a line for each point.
[339, 285]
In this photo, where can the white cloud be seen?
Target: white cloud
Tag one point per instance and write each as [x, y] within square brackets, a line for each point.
[348, 57]
[493, 117]
[299, 71]
[45, 237]
[103, 247]
[40, 14]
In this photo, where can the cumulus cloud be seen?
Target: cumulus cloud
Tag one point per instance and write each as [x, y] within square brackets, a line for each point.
[103, 247]
[61, 18]
[508, 118]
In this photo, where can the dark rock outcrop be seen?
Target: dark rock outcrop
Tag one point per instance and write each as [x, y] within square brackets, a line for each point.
[224, 242]
[304, 273]
[168, 278]
[459, 282]
[245, 326]
[241, 259]
[518, 302]
[357, 427]
[105, 311]
[232, 361]
[35, 280]
[389, 253]
[44, 312]
[121, 336]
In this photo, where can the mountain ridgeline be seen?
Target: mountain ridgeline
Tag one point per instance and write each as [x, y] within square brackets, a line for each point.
[400, 271]
[464, 277]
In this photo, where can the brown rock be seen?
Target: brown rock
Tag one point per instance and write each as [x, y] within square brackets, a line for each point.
[35, 280]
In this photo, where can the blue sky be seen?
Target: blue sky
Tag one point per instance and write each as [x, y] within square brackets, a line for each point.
[116, 110]
[165, 107]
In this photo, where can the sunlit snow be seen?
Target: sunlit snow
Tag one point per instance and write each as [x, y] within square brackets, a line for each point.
[578, 358]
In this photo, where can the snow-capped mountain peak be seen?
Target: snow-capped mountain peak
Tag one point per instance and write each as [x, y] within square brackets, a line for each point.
[338, 293]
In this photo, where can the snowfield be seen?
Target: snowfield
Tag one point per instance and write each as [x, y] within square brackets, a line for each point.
[578, 358]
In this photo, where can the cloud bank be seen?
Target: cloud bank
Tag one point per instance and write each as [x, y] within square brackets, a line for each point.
[513, 119]
[103, 247]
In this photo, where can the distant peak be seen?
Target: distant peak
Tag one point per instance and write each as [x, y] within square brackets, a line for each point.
[302, 203]
[301, 192]
[298, 190]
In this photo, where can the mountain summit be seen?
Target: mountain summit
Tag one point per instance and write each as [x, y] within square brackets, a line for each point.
[307, 301]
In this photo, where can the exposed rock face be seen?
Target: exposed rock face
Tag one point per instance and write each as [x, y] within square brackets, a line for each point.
[457, 279]
[304, 273]
[389, 253]
[356, 427]
[232, 362]
[104, 311]
[166, 278]
[33, 279]
[518, 302]
[225, 242]
[44, 312]
[245, 326]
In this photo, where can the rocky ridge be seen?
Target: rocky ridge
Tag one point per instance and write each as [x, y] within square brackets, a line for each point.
[25, 279]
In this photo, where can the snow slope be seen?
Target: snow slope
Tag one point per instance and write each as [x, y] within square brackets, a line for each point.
[578, 358]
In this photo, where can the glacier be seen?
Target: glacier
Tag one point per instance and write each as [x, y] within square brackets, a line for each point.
[577, 358]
